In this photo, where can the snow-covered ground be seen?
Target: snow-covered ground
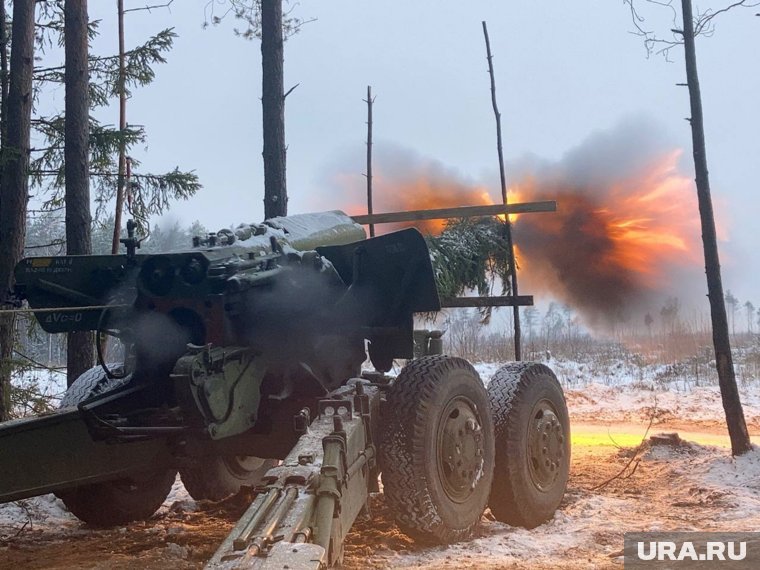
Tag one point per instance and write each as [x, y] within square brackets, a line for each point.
[693, 486]
[688, 487]
[685, 488]
[622, 391]
[49, 513]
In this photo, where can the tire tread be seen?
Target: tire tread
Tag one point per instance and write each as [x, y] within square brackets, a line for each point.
[408, 411]
[506, 391]
[108, 504]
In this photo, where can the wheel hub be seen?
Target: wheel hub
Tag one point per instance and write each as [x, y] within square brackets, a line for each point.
[460, 448]
[546, 446]
[243, 465]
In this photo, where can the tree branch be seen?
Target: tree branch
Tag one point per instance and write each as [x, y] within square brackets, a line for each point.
[63, 67]
[289, 91]
[54, 243]
[249, 12]
[634, 457]
[149, 8]
[37, 363]
[703, 24]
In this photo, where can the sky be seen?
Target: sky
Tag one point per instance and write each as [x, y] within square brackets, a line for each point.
[564, 71]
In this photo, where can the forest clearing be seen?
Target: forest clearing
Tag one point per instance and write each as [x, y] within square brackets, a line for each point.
[415, 340]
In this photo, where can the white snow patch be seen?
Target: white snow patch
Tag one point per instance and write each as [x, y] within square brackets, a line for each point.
[179, 499]
[629, 403]
[739, 479]
[47, 383]
[487, 370]
[48, 513]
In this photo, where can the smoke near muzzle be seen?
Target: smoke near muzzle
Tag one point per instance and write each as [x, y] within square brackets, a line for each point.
[625, 236]
[159, 339]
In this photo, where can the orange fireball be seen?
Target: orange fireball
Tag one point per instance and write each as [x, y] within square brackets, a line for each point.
[614, 242]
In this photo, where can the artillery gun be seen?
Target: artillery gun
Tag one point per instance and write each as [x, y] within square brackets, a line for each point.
[241, 366]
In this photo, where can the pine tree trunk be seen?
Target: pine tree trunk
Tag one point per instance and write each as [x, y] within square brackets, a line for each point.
[76, 157]
[14, 182]
[273, 107]
[737, 427]
[3, 74]
[115, 243]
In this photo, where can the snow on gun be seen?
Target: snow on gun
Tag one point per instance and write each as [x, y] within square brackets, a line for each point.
[249, 346]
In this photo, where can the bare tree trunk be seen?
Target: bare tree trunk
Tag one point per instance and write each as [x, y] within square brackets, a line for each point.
[505, 200]
[76, 156]
[3, 73]
[273, 107]
[369, 102]
[737, 427]
[115, 244]
[14, 182]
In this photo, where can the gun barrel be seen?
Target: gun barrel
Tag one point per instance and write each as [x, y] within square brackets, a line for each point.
[309, 231]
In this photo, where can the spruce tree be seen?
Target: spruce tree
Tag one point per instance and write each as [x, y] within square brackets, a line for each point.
[45, 170]
[151, 192]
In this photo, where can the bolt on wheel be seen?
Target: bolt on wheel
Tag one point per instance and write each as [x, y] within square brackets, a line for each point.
[460, 449]
[532, 444]
[545, 446]
[437, 455]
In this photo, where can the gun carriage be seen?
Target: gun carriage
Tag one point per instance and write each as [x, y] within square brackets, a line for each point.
[240, 364]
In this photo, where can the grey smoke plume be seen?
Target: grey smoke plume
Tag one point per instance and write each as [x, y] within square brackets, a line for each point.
[626, 234]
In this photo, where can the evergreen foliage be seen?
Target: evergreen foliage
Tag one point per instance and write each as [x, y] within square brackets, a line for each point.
[469, 255]
[151, 192]
[45, 236]
[248, 13]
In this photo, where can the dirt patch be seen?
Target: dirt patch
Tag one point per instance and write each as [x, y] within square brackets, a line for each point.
[685, 487]
[181, 540]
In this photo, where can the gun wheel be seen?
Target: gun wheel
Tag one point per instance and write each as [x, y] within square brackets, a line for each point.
[117, 502]
[532, 444]
[437, 459]
[216, 477]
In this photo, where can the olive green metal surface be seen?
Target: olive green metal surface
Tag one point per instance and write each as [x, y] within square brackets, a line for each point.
[54, 452]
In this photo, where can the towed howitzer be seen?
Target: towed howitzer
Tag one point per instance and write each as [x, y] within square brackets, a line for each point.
[241, 366]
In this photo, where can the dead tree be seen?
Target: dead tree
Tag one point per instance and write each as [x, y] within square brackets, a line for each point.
[703, 24]
[737, 426]
[76, 156]
[115, 244]
[264, 19]
[369, 100]
[14, 182]
[505, 200]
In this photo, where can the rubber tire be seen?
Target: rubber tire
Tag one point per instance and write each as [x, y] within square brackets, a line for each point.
[91, 383]
[410, 473]
[113, 503]
[514, 390]
[213, 478]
